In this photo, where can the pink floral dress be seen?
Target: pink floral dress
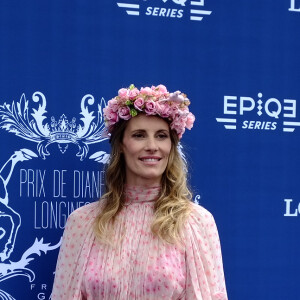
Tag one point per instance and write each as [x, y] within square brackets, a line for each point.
[139, 265]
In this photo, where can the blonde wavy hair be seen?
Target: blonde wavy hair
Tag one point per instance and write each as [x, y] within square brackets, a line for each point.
[172, 207]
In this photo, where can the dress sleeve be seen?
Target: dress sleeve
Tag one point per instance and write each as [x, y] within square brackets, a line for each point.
[73, 254]
[205, 275]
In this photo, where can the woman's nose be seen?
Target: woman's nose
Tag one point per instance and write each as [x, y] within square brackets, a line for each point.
[151, 144]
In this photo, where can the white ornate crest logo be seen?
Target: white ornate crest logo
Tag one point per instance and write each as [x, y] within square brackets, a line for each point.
[16, 118]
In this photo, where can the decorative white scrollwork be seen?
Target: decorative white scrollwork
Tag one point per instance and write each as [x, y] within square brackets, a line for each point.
[15, 119]
[9, 230]
[196, 199]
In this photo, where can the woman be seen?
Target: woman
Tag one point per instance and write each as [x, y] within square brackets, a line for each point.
[145, 239]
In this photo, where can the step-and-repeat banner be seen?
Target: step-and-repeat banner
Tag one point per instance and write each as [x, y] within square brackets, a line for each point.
[238, 62]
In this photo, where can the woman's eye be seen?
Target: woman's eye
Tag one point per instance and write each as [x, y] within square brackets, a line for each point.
[162, 136]
[138, 135]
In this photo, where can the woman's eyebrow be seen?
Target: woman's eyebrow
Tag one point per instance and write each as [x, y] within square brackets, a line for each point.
[163, 130]
[145, 130]
[138, 130]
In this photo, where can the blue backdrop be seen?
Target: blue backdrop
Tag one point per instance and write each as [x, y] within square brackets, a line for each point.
[238, 61]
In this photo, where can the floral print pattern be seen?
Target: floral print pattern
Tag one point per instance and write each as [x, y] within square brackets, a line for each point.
[138, 265]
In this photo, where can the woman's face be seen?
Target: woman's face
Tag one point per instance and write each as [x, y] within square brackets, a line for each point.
[146, 147]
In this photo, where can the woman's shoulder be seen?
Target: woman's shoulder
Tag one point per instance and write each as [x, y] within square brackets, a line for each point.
[86, 212]
[199, 211]
[80, 222]
[200, 216]
[201, 229]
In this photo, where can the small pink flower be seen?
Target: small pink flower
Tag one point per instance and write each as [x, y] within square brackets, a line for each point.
[110, 116]
[158, 92]
[150, 107]
[139, 103]
[124, 113]
[146, 91]
[182, 113]
[180, 134]
[190, 121]
[181, 120]
[164, 110]
[133, 93]
[174, 110]
[113, 104]
[157, 95]
[162, 89]
[178, 128]
[178, 123]
[123, 93]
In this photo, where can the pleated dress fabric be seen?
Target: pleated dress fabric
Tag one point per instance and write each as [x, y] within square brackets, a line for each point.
[139, 265]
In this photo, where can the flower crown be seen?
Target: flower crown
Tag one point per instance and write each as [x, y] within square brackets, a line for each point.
[155, 100]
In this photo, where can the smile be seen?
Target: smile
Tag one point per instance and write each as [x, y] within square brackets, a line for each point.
[152, 159]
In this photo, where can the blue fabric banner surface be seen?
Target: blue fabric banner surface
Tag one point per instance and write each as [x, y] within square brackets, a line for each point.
[238, 62]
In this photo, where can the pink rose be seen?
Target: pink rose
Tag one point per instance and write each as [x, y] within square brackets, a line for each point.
[110, 116]
[113, 105]
[174, 109]
[139, 103]
[157, 95]
[190, 121]
[178, 128]
[123, 93]
[124, 113]
[146, 91]
[150, 107]
[158, 91]
[178, 123]
[133, 93]
[182, 112]
[163, 109]
[180, 134]
[162, 89]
